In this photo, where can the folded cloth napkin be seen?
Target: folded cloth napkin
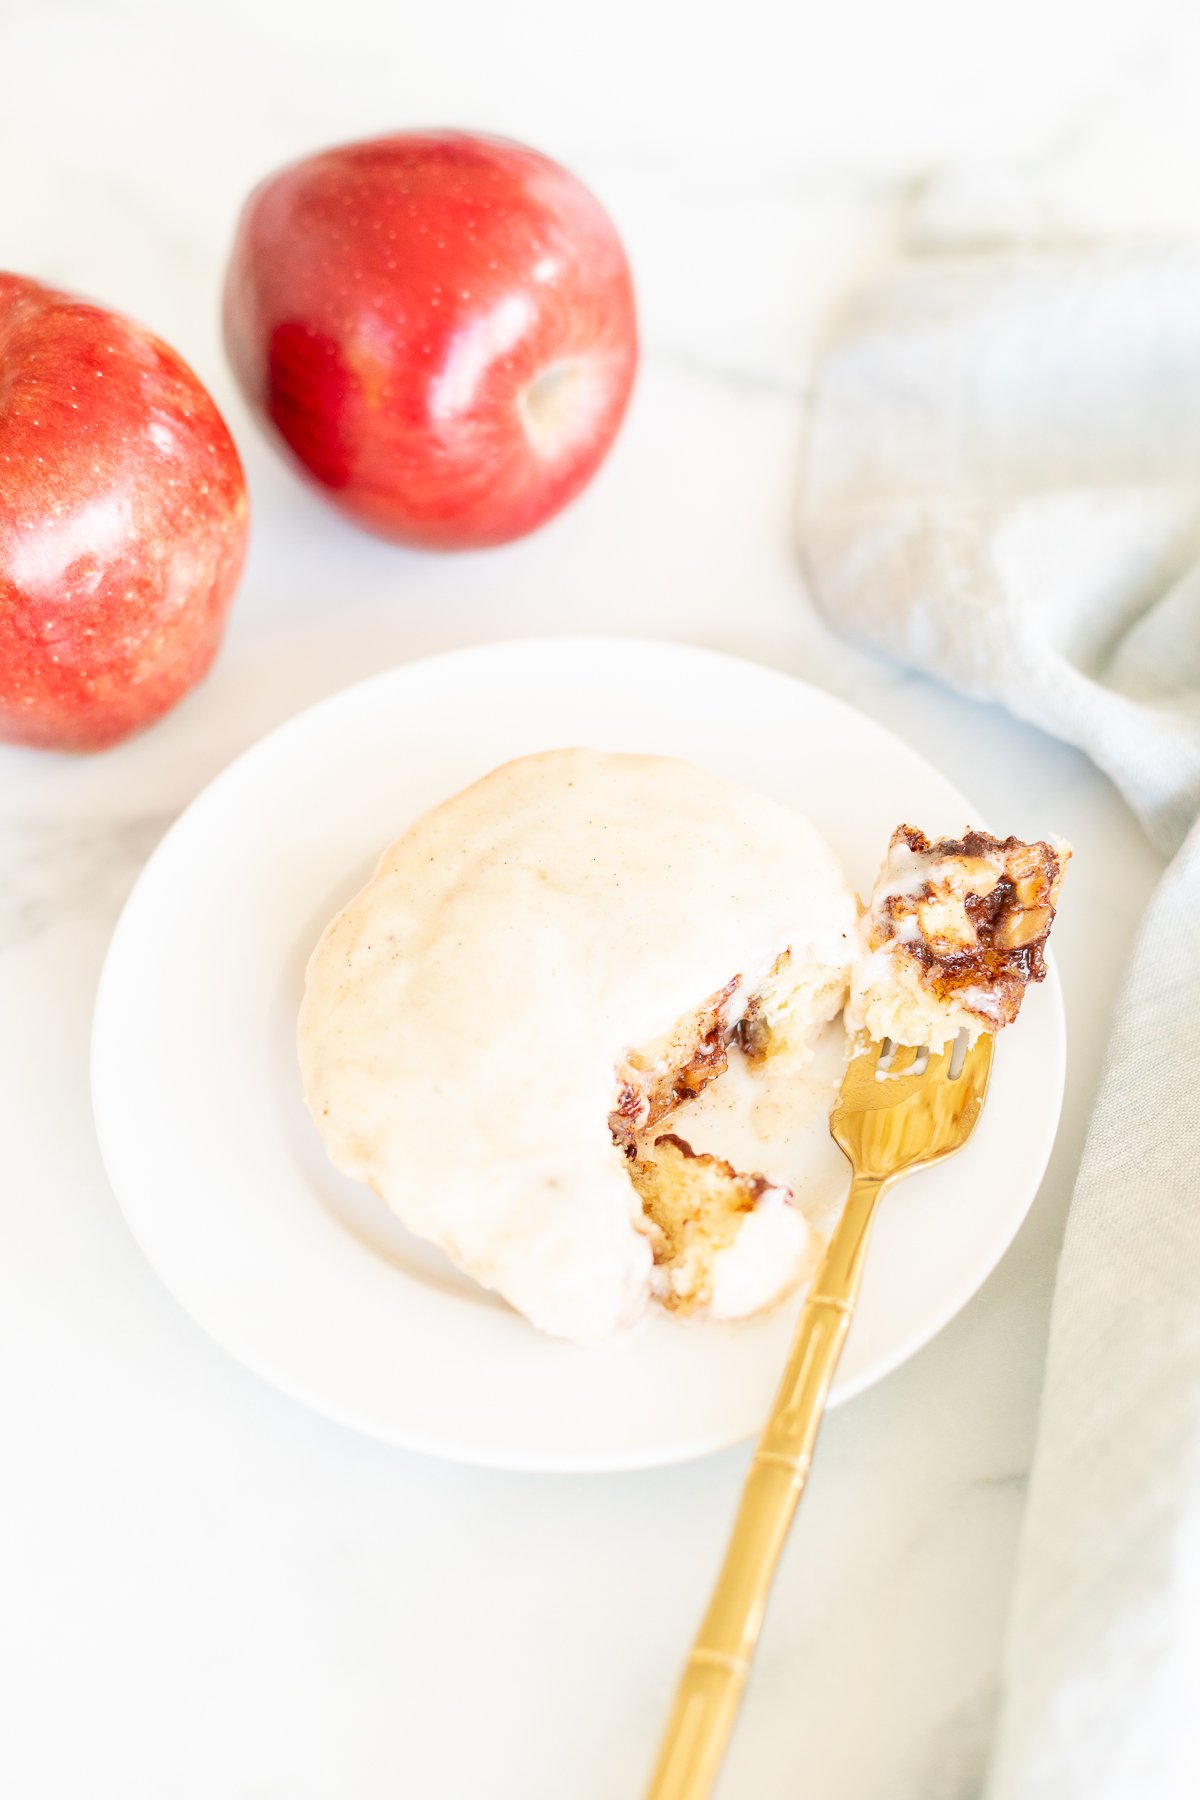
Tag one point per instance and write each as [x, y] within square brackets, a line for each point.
[1003, 488]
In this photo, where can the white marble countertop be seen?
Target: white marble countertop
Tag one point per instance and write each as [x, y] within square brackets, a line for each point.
[207, 1590]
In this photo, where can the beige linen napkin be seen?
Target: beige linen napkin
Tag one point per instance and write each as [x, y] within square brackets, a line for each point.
[1003, 488]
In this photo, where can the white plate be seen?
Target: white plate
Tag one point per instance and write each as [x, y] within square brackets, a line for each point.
[305, 1277]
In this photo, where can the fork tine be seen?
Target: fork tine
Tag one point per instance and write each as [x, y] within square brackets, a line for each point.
[866, 1050]
[978, 1060]
[919, 1067]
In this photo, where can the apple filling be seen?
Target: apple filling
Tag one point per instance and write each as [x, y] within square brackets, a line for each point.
[656, 1079]
[955, 933]
[714, 1228]
[695, 1205]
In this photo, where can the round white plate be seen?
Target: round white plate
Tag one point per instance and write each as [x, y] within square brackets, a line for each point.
[306, 1277]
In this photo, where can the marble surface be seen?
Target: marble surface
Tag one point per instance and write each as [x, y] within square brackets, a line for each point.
[207, 1590]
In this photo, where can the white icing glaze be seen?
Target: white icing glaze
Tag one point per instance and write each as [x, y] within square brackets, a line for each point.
[772, 1252]
[463, 1016]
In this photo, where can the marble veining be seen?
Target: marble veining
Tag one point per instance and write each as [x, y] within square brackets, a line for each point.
[54, 871]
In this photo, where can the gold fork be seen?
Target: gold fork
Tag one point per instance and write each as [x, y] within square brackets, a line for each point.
[896, 1112]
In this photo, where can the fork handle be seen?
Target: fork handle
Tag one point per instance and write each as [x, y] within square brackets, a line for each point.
[710, 1690]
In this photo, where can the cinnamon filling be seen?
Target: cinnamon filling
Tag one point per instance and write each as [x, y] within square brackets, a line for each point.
[1005, 907]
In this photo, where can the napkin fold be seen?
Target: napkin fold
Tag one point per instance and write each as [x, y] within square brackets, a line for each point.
[1003, 488]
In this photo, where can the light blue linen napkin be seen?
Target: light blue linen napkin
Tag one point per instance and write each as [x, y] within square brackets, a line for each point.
[1003, 488]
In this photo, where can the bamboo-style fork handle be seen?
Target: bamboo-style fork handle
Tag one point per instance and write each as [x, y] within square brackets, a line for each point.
[711, 1688]
[890, 1118]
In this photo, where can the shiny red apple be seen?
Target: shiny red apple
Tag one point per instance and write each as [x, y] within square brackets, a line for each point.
[122, 522]
[439, 327]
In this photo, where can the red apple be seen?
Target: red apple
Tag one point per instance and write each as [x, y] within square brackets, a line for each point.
[122, 522]
[440, 328]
